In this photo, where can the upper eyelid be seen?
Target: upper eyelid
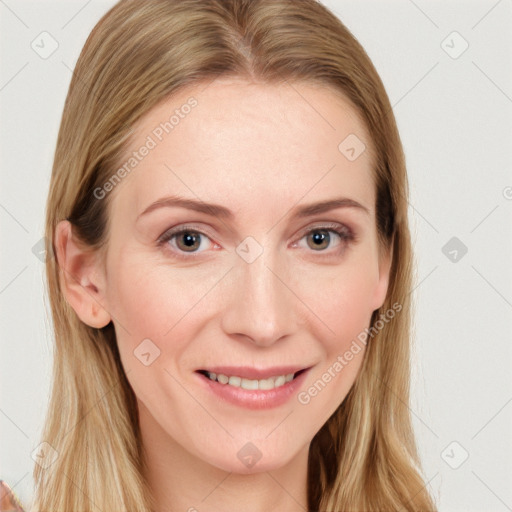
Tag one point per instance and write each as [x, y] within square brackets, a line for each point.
[183, 227]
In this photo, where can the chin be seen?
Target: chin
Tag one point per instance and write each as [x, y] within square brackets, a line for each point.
[253, 457]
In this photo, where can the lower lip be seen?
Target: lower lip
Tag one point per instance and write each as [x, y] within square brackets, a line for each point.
[254, 399]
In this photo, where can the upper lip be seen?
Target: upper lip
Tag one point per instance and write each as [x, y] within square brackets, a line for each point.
[248, 372]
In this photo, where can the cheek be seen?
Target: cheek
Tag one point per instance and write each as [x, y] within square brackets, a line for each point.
[343, 312]
[162, 303]
[155, 302]
[343, 298]
[155, 321]
[344, 304]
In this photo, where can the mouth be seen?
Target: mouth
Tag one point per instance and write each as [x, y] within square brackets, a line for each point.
[247, 378]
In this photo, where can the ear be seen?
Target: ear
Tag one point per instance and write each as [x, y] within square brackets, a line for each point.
[82, 278]
[385, 260]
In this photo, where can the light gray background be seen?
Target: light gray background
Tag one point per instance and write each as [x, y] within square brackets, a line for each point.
[455, 118]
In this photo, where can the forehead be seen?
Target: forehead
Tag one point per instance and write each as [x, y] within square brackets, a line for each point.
[248, 144]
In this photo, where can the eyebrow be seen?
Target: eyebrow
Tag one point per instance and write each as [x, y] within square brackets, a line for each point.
[222, 212]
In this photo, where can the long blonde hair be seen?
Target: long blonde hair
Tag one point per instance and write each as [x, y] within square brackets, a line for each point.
[140, 52]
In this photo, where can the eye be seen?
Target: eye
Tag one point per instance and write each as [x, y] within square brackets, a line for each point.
[321, 238]
[185, 240]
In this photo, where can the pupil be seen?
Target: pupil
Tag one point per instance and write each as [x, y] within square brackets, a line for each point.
[189, 239]
[321, 237]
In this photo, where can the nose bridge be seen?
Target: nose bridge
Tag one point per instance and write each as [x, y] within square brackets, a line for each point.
[260, 307]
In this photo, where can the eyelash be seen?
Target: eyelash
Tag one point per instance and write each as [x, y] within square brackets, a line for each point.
[345, 234]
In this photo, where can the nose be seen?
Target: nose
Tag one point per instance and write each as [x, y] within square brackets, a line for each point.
[260, 305]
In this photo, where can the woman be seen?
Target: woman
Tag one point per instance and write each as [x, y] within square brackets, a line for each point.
[230, 287]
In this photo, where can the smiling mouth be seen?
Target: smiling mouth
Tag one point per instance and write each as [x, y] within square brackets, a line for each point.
[251, 384]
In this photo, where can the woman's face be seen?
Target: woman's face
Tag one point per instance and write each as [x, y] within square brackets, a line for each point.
[258, 287]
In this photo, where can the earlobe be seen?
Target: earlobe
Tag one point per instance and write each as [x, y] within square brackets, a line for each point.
[81, 277]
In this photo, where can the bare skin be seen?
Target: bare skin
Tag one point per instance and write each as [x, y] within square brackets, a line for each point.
[261, 151]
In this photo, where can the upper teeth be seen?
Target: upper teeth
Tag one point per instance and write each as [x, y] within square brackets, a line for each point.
[270, 383]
